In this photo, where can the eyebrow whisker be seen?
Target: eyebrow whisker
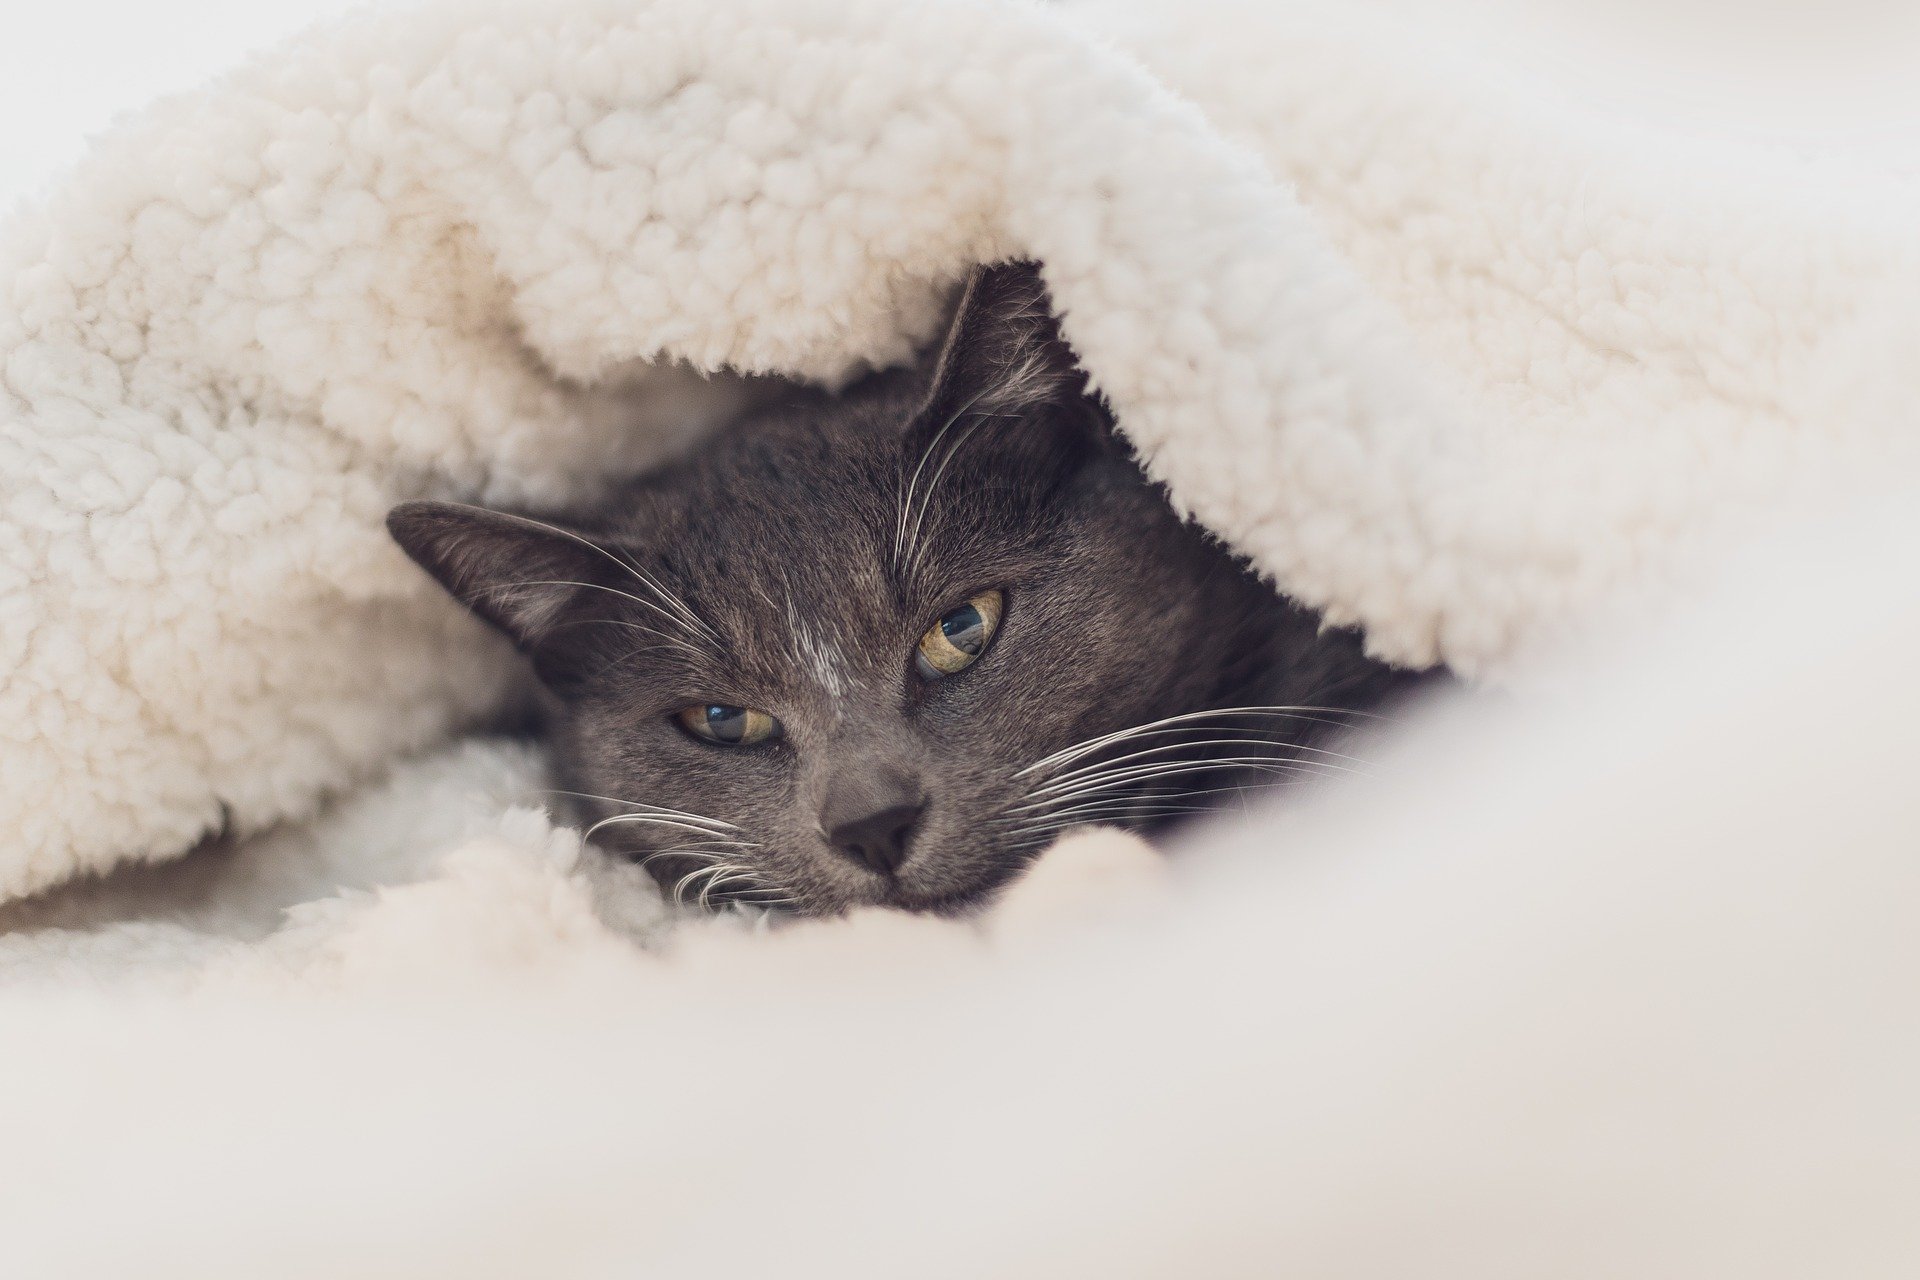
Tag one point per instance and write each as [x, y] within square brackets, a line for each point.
[917, 546]
[905, 501]
[685, 613]
[665, 614]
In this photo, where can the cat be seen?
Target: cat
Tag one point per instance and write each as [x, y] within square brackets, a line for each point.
[879, 647]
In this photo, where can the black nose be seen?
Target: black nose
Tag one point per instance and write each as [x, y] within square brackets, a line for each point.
[879, 840]
[870, 817]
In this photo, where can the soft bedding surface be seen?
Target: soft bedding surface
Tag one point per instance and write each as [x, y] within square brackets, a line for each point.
[299, 976]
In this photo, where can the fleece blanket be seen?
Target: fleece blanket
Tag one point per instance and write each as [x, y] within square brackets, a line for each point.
[1480, 376]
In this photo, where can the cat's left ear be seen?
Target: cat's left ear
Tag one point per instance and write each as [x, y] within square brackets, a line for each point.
[1003, 353]
[515, 572]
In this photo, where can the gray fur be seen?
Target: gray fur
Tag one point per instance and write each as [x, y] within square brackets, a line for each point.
[792, 564]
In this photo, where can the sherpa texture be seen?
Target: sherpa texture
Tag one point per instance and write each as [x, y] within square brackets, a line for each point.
[1447, 364]
[432, 253]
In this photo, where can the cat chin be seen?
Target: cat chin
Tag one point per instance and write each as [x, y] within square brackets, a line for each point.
[939, 899]
[1091, 873]
[967, 902]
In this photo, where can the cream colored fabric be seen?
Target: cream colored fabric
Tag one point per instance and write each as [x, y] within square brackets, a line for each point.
[1450, 363]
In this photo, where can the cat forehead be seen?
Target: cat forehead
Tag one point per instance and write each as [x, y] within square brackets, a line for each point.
[775, 506]
[778, 540]
[813, 537]
[837, 491]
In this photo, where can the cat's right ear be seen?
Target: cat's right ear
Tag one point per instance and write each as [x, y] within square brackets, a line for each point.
[513, 571]
[1003, 353]
[1006, 367]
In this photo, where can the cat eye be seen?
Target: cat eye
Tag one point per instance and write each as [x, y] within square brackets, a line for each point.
[728, 726]
[957, 640]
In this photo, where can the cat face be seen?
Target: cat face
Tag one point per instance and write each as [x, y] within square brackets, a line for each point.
[847, 652]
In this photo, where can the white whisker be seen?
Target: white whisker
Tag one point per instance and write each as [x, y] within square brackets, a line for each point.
[915, 545]
[901, 541]
[671, 641]
[685, 614]
[715, 852]
[1106, 779]
[650, 808]
[1176, 769]
[906, 497]
[652, 820]
[594, 586]
[1119, 809]
[1311, 715]
[734, 873]
[1060, 781]
[693, 852]
[679, 890]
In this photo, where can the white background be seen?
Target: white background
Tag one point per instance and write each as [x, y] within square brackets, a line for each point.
[1823, 74]
[67, 67]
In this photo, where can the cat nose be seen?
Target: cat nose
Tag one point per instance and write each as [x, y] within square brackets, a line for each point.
[878, 840]
[871, 819]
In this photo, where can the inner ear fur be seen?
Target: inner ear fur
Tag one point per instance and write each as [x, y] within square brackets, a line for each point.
[1005, 373]
[1003, 352]
[514, 571]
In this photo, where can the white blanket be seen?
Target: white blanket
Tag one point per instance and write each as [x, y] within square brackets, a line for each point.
[1448, 364]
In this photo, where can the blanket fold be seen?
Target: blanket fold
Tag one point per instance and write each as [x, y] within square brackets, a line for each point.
[1613, 977]
[1464, 395]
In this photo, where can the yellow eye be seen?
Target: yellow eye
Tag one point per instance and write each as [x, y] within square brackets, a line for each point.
[728, 726]
[956, 641]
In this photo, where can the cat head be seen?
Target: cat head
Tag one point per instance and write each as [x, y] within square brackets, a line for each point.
[842, 654]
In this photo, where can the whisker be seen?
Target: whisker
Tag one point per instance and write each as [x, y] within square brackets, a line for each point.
[1325, 716]
[1311, 715]
[686, 614]
[1037, 828]
[718, 875]
[637, 804]
[1117, 803]
[906, 498]
[691, 819]
[707, 872]
[735, 872]
[1106, 779]
[707, 853]
[680, 885]
[673, 641]
[652, 820]
[1180, 768]
[715, 852]
[1122, 821]
[917, 547]
[1182, 794]
[1144, 804]
[1279, 743]
[668, 615]
[1121, 812]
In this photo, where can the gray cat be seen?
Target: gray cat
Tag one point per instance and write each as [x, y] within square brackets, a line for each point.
[879, 647]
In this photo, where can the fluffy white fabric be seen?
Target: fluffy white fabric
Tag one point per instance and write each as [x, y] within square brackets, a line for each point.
[1609, 982]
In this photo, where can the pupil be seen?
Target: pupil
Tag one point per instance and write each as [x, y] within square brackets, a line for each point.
[728, 724]
[964, 629]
